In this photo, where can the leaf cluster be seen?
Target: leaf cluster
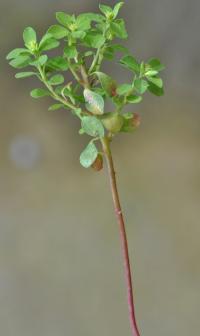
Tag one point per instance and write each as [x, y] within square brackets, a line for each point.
[83, 43]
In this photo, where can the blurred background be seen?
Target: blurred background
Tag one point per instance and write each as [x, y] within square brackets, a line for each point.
[60, 262]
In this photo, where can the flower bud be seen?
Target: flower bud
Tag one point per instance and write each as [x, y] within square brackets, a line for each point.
[113, 122]
[98, 163]
[32, 46]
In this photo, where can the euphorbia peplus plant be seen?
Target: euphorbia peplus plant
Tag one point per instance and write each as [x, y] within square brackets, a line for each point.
[87, 40]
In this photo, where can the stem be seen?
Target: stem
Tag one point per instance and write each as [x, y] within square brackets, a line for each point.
[123, 237]
[97, 61]
[53, 93]
[73, 72]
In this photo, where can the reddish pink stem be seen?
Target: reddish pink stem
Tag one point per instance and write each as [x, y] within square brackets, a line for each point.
[123, 236]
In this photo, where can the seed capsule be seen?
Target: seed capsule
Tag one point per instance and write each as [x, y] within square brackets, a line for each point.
[98, 163]
[136, 121]
[113, 122]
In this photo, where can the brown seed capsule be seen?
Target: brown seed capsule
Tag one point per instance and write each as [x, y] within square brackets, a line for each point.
[113, 91]
[136, 121]
[98, 163]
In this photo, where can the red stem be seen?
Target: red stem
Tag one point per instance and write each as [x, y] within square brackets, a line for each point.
[123, 236]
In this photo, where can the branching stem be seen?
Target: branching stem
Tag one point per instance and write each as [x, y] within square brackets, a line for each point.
[53, 93]
[123, 237]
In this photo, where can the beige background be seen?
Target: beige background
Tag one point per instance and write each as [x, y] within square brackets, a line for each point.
[60, 264]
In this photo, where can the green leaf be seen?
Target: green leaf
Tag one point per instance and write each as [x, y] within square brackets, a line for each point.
[124, 89]
[142, 69]
[40, 61]
[67, 91]
[99, 90]
[30, 38]
[131, 63]
[151, 73]
[70, 52]
[83, 22]
[81, 131]
[118, 29]
[89, 155]
[20, 62]
[111, 49]
[88, 53]
[78, 34]
[95, 17]
[109, 53]
[43, 59]
[64, 19]
[155, 64]
[17, 52]
[107, 83]
[156, 81]
[92, 126]
[141, 85]
[117, 8]
[57, 63]
[155, 90]
[56, 80]
[24, 74]
[55, 107]
[95, 102]
[133, 99]
[58, 32]
[106, 10]
[39, 93]
[94, 40]
[48, 43]
[45, 38]
[119, 47]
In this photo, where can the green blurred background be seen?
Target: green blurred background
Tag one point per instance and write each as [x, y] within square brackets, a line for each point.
[60, 263]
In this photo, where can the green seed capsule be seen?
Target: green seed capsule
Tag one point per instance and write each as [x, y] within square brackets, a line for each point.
[113, 122]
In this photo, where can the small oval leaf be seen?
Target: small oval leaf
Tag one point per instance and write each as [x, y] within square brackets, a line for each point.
[56, 80]
[17, 52]
[58, 32]
[141, 85]
[133, 99]
[92, 126]
[63, 18]
[89, 155]
[131, 63]
[24, 74]
[107, 83]
[29, 36]
[40, 61]
[95, 102]
[20, 62]
[124, 89]
[55, 107]
[39, 93]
